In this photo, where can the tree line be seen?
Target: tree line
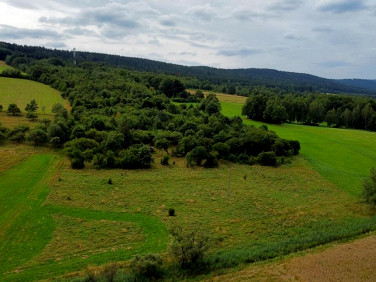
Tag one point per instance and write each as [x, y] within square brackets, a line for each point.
[312, 109]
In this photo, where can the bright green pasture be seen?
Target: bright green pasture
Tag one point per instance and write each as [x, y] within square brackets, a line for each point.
[343, 156]
[40, 241]
[22, 91]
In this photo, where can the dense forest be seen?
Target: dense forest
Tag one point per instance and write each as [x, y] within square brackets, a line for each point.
[239, 81]
[119, 117]
[312, 109]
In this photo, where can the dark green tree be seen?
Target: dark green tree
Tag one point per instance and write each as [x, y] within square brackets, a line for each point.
[13, 109]
[369, 188]
[31, 109]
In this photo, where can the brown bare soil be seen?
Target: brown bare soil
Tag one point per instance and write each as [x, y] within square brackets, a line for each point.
[354, 261]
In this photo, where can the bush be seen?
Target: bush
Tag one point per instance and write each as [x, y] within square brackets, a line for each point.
[110, 181]
[165, 160]
[148, 266]
[189, 247]
[77, 163]
[369, 188]
[171, 212]
[267, 158]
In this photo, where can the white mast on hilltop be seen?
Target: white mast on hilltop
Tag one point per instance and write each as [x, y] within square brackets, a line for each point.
[74, 57]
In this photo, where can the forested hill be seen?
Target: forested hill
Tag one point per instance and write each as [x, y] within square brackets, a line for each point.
[209, 77]
[361, 83]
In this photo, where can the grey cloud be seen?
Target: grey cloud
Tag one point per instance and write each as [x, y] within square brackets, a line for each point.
[285, 5]
[205, 12]
[334, 64]
[323, 29]
[167, 20]
[290, 36]
[238, 52]
[243, 14]
[11, 32]
[188, 53]
[342, 6]
[113, 15]
[80, 31]
[56, 45]
[23, 4]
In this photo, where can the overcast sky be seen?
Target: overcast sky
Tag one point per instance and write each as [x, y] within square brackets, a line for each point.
[329, 38]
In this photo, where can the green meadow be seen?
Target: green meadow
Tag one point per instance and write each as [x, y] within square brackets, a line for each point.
[343, 156]
[22, 91]
[55, 220]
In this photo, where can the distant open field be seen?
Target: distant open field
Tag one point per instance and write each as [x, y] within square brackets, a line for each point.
[22, 91]
[343, 156]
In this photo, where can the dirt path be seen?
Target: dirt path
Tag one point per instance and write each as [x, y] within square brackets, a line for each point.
[354, 261]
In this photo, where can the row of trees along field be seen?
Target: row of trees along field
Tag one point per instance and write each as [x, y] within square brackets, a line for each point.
[119, 116]
[312, 108]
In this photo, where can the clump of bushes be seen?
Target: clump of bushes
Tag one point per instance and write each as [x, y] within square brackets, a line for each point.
[147, 267]
[165, 160]
[189, 247]
[369, 188]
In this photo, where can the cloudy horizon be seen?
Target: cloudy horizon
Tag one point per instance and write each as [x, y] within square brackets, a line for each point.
[327, 38]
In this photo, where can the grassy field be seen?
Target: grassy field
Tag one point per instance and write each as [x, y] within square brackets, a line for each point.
[39, 241]
[343, 156]
[55, 220]
[22, 91]
[82, 220]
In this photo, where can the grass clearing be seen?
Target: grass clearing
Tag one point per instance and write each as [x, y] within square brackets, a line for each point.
[10, 121]
[22, 91]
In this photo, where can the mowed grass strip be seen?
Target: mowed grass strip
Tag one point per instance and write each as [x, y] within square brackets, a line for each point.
[343, 156]
[24, 226]
[22, 91]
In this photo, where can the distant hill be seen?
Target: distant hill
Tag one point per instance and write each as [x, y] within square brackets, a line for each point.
[250, 77]
[369, 84]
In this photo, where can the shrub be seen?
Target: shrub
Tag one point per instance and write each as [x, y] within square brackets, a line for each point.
[171, 212]
[110, 181]
[267, 158]
[165, 160]
[369, 188]
[189, 247]
[77, 163]
[148, 266]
